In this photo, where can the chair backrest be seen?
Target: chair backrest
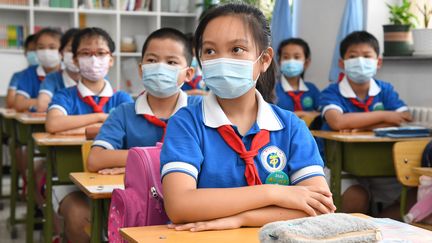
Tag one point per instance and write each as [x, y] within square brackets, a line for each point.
[85, 151]
[406, 155]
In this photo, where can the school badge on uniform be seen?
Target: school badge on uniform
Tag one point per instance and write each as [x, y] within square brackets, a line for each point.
[307, 102]
[379, 106]
[273, 159]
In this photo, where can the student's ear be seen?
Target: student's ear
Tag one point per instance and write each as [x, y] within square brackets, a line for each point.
[266, 59]
[380, 62]
[75, 60]
[341, 64]
[189, 74]
[140, 70]
[111, 62]
[307, 63]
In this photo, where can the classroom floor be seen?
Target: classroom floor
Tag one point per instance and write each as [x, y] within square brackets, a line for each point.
[4, 214]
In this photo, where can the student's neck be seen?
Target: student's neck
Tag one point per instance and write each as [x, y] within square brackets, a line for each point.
[49, 70]
[95, 87]
[294, 82]
[72, 75]
[163, 107]
[241, 111]
[361, 90]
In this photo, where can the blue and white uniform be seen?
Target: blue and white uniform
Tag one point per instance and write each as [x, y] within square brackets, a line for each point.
[13, 84]
[126, 127]
[193, 146]
[56, 81]
[337, 97]
[309, 99]
[69, 101]
[30, 81]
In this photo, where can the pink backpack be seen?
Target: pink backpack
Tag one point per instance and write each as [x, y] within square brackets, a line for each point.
[141, 203]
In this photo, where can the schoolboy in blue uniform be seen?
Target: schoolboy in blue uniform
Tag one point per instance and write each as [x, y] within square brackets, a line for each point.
[63, 78]
[222, 158]
[47, 45]
[293, 93]
[359, 102]
[75, 108]
[165, 66]
[30, 53]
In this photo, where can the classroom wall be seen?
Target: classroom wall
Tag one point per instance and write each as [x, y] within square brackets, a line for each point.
[319, 24]
[9, 63]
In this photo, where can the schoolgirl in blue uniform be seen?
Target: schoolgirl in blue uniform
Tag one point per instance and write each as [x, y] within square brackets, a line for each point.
[88, 103]
[360, 102]
[235, 160]
[63, 78]
[293, 93]
[165, 66]
[30, 53]
[47, 45]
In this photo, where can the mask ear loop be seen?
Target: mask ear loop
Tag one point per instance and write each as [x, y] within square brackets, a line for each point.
[259, 74]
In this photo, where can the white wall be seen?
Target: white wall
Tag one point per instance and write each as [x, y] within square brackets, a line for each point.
[319, 24]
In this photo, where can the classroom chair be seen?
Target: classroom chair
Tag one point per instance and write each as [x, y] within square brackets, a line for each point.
[85, 151]
[406, 156]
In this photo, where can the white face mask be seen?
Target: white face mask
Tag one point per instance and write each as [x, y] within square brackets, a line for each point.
[94, 68]
[69, 63]
[48, 58]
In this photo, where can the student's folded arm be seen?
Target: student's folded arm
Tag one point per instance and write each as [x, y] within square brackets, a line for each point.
[57, 121]
[10, 98]
[356, 120]
[23, 103]
[101, 158]
[43, 101]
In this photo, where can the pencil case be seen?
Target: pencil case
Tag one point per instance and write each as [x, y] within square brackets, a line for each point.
[328, 228]
[402, 132]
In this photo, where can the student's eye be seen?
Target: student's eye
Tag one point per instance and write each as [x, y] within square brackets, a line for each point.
[352, 56]
[238, 50]
[151, 60]
[172, 62]
[209, 51]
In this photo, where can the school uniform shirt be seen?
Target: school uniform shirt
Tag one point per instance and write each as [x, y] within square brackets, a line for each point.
[13, 84]
[308, 100]
[55, 82]
[196, 83]
[70, 100]
[126, 126]
[340, 96]
[193, 146]
[30, 81]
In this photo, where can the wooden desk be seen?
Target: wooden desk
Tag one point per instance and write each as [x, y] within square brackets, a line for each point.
[161, 233]
[63, 157]
[423, 171]
[99, 189]
[360, 154]
[26, 125]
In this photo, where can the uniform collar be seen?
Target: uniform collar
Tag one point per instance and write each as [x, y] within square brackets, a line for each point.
[67, 80]
[214, 116]
[40, 72]
[142, 106]
[107, 91]
[287, 87]
[347, 92]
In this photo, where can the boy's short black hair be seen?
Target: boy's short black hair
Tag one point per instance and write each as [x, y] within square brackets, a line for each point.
[67, 36]
[28, 40]
[92, 32]
[48, 31]
[359, 37]
[170, 33]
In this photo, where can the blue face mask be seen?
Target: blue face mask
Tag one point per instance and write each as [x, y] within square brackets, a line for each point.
[292, 68]
[32, 58]
[194, 62]
[360, 70]
[160, 79]
[229, 78]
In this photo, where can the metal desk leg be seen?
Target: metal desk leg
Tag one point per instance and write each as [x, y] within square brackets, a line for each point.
[48, 215]
[1, 164]
[96, 220]
[30, 187]
[334, 157]
[14, 184]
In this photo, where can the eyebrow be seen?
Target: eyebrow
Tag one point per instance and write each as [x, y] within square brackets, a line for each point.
[245, 41]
